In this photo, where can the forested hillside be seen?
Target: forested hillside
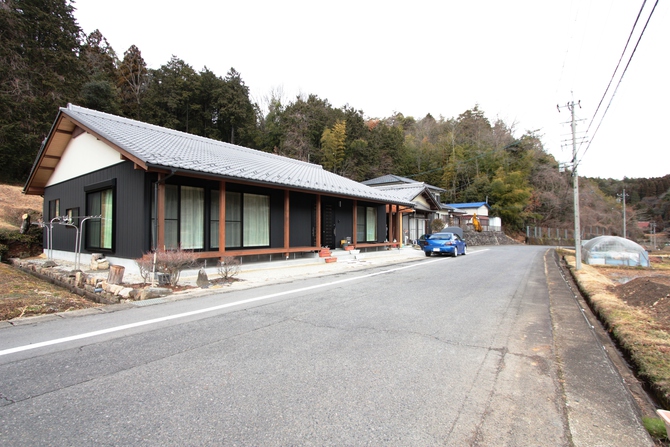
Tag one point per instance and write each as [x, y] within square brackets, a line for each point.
[649, 196]
[46, 62]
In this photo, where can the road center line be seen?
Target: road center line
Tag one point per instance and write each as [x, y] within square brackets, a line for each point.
[207, 309]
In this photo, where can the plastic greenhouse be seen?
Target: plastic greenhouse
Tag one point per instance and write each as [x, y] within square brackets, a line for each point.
[614, 250]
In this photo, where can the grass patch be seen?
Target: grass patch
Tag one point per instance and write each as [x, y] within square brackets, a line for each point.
[656, 428]
[23, 295]
[640, 336]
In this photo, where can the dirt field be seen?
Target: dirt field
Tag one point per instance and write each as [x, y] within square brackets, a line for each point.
[646, 289]
[23, 295]
[13, 204]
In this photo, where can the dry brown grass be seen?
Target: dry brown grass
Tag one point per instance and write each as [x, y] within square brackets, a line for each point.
[23, 295]
[642, 337]
[13, 204]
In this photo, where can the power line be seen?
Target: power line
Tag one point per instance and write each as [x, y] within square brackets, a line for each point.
[617, 65]
[618, 84]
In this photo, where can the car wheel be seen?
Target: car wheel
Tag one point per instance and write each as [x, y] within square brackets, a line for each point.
[455, 252]
[465, 250]
[427, 253]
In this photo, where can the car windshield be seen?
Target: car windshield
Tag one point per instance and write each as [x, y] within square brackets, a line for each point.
[441, 236]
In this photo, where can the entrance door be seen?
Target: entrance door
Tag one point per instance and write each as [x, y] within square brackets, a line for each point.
[327, 226]
[417, 228]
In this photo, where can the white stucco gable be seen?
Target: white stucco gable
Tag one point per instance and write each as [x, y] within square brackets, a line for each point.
[83, 154]
[481, 211]
[421, 202]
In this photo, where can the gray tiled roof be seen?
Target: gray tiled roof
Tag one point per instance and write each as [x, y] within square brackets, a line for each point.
[403, 192]
[391, 179]
[409, 191]
[161, 147]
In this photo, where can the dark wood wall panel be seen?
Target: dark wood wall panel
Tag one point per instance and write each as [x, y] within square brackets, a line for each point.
[300, 219]
[131, 237]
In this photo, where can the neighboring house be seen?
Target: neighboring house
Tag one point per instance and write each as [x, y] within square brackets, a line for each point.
[426, 200]
[157, 187]
[481, 209]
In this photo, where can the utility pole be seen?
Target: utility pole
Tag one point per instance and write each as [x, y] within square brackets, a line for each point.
[575, 184]
[653, 234]
[622, 196]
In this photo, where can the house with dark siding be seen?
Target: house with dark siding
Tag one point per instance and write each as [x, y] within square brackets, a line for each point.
[144, 187]
[426, 199]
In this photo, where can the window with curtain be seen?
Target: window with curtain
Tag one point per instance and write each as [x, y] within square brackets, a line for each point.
[171, 217]
[256, 220]
[184, 217]
[360, 223]
[72, 215]
[247, 220]
[192, 218]
[366, 224]
[371, 224]
[233, 219]
[99, 231]
[214, 219]
[54, 208]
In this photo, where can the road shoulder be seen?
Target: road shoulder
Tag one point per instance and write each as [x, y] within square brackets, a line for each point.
[599, 405]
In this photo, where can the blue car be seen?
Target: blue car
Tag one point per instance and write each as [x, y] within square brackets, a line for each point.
[443, 244]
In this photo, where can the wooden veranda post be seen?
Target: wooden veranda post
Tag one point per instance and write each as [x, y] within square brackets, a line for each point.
[398, 226]
[389, 219]
[318, 220]
[287, 239]
[354, 238]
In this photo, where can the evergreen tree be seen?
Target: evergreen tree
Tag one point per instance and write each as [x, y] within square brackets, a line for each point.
[132, 80]
[236, 113]
[205, 115]
[39, 72]
[270, 126]
[99, 57]
[170, 94]
[100, 91]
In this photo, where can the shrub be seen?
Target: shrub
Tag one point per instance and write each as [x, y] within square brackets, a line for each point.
[146, 265]
[16, 243]
[228, 267]
[169, 262]
[436, 225]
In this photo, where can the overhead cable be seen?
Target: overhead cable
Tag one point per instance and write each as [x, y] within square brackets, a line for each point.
[618, 84]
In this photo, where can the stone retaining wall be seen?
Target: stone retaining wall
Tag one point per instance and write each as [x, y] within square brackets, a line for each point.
[92, 287]
[474, 238]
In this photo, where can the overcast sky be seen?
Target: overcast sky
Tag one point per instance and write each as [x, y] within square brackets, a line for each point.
[517, 60]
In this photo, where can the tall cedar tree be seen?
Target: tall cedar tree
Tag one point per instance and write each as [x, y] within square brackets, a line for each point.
[236, 113]
[132, 81]
[170, 95]
[100, 91]
[39, 72]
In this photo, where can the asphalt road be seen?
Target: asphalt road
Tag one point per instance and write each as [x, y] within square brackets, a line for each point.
[471, 350]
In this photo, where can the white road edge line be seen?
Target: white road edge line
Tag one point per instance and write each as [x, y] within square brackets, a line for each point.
[205, 310]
